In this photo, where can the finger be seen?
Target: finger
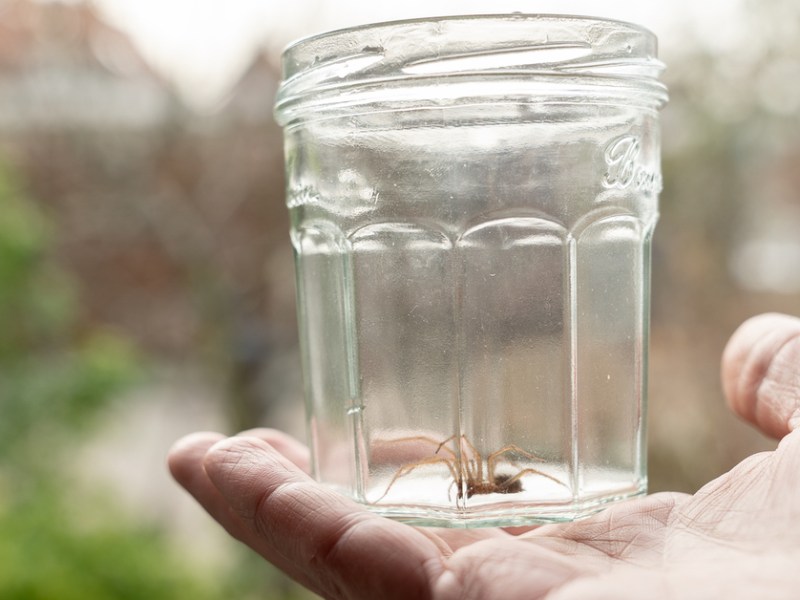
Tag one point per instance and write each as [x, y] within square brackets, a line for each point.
[187, 453]
[343, 549]
[287, 445]
[186, 464]
[761, 373]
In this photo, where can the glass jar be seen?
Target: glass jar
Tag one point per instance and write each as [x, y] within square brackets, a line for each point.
[472, 201]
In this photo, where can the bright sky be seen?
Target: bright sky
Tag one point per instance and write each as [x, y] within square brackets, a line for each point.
[205, 44]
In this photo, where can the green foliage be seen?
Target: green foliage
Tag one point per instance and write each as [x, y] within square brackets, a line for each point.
[44, 556]
[47, 398]
[56, 375]
[36, 300]
[58, 542]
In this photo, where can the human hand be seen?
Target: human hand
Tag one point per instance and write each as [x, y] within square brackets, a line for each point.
[737, 537]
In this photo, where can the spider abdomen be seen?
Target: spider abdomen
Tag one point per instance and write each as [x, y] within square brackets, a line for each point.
[501, 484]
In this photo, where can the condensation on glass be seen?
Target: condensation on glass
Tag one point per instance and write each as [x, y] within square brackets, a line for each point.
[472, 201]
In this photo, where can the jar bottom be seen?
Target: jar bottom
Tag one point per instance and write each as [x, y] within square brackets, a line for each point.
[503, 514]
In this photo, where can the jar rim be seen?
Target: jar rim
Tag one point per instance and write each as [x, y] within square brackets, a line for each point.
[442, 50]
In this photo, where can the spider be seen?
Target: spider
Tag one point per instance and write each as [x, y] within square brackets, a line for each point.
[472, 473]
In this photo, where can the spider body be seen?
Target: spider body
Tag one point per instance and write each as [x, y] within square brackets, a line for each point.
[471, 472]
[501, 484]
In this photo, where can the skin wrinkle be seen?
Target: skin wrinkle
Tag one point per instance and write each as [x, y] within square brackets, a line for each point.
[611, 540]
[777, 391]
[712, 496]
[283, 443]
[226, 462]
[197, 459]
[284, 505]
[627, 545]
[502, 565]
[604, 546]
[788, 460]
[346, 536]
[285, 497]
[704, 522]
[772, 495]
[341, 534]
[783, 503]
[421, 570]
[604, 536]
[237, 464]
[755, 370]
[196, 480]
[231, 460]
[697, 540]
[616, 547]
[259, 516]
[335, 552]
[321, 561]
[670, 509]
[747, 359]
[282, 518]
[293, 492]
[367, 531]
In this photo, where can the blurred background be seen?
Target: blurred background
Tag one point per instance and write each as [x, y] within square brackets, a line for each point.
[146, 277]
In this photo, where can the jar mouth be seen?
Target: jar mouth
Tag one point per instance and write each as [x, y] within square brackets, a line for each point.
[368, 64]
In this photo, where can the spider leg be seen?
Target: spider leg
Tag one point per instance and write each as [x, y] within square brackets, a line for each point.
[443, 446]
[422, 438]
[406, 469]
[456, 483]
[511, 480]
[462, 469]
[491, 461]
[467, 461]
[476, 460]
[474, 470]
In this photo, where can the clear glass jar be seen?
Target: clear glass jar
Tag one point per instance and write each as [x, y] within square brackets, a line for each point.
[472, 201]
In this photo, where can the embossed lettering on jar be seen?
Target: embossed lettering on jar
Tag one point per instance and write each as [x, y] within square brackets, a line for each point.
[472, 201]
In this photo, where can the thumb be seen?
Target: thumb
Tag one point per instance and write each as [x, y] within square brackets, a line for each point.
[761, 373]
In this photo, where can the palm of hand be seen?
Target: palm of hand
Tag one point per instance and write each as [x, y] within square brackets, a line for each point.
[738, 537]
[739, 529]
